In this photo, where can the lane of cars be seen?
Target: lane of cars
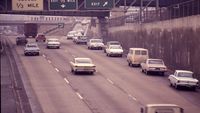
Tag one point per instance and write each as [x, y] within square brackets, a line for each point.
[137, 56]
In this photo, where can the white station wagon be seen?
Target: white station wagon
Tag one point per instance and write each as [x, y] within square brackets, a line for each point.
[183, 78]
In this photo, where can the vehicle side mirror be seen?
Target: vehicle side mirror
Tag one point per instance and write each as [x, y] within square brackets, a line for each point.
[141, 110]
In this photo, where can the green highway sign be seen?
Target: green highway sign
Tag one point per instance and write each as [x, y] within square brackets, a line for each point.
[63, 4]
[99, 4]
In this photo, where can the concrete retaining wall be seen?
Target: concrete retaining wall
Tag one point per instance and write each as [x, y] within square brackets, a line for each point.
[176, 41]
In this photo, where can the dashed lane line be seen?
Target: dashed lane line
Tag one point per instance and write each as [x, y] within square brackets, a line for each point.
[67, 81]
[132, 97]
[110, 81]
[49, 61]
[57, 69]
[44, 56]
[78, 94]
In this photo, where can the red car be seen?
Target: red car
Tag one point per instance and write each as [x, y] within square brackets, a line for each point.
[40, 37]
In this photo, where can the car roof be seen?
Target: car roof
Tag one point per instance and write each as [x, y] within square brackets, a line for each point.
[115, 46]
[154, 59]
[186, 71]
[156, 105]
[52, 39]
[80, 58]
[32, 43]
[138, 49]
[95, 39]
[113, 42]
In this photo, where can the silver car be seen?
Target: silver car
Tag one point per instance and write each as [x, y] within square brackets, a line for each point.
[31, 49]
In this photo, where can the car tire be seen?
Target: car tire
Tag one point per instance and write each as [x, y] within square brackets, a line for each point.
[25, 54]
[91, 73]
[72, 70]
[147, 72]
[163, 73]
[194, 88]
[142, 70]
[170, 84]
[176, 86]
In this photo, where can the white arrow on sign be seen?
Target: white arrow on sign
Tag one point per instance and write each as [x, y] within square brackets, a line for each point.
[106, 3]
[63, 5]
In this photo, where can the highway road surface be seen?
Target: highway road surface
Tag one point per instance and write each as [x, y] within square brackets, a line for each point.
[114, 88]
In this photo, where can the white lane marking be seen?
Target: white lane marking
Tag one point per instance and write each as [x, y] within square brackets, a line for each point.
[44, 55]
[73, 55]
[79, 95]
[57, 69]
[66, 80]
[49, 61]
[132, 97]
[110, 81]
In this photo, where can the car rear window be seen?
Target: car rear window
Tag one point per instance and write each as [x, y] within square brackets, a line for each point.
[137, 52]
[143, 52]
[155, 62]
[83, 61]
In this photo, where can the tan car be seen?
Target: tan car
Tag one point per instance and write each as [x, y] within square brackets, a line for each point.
[162, 108]
[136, 56]
[153, 65]
[82, 65]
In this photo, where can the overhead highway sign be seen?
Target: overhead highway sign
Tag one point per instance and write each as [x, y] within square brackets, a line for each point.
[27, 5]
[63, 4]
[99, 4]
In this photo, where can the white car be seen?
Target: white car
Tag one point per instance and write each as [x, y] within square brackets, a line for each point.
[153, 65]
[31, 49]
[162, 108]
[113, 50]
[95, 44]
[53, 43]
[82, 65]
[70, 34]
[183, 78]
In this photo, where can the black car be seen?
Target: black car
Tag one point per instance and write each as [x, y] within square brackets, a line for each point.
[21, 40]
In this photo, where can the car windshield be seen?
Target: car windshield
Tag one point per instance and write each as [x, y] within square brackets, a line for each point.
[98, 41]
[155, 62]
[83, 61]
[31, 45]
[115, 47]
[185, 74]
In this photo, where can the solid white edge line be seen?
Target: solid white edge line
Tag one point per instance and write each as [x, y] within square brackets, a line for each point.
[132, 97]
[57, 69]
[66, 80]
[110, 81]
[79, 95]
[49, 61]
